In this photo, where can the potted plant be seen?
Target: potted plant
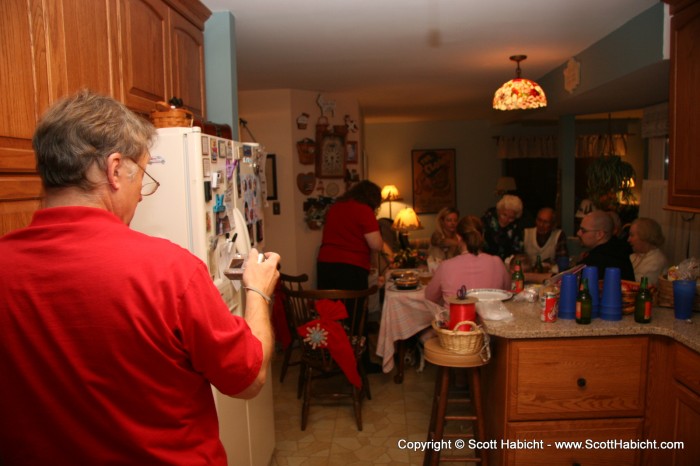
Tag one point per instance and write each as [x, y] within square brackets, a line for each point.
[609, 180]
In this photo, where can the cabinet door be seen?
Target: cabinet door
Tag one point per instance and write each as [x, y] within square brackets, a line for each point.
[24, 87]
[685, 406]
[579, 378]
[684, 164]
[82, 51]
[592, 438]
[145, 51]
[188, 63]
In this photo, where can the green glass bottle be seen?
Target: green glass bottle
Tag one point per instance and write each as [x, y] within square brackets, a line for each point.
[517, 278]
[539, 268]
[642, 305]
[584, 304]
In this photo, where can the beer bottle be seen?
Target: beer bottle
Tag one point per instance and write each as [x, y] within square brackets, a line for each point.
[584, 303]
[642, 305]
[517, 278]
[539, 268]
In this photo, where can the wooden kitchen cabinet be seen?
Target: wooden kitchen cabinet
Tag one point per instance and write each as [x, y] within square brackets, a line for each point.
[560, 389]
[684, 100]
[594, 436]
[173, 62]
[138, 51]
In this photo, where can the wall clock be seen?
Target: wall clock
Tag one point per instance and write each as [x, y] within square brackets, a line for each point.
[330, 151]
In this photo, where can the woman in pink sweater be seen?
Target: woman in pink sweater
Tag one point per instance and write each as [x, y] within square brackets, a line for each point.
[472, 268]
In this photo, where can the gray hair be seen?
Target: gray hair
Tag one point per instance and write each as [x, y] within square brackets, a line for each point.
[83, 129]
[650, 231]
[511, 202]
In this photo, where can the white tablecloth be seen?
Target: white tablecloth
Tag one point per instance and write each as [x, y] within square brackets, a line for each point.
[404, 314]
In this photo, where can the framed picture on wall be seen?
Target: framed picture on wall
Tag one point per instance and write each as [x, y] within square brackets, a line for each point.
[434, 179]
[351, 152]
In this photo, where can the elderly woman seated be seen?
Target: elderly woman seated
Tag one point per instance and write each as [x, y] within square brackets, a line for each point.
[648, 260]
[503, 232]
[472, 268]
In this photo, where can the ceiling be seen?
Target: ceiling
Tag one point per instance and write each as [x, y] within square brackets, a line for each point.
[411, 60]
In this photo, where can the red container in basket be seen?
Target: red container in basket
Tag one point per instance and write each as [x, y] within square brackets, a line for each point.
[461, 310]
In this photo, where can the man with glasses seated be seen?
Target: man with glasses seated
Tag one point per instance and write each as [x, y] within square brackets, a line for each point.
[595, 234]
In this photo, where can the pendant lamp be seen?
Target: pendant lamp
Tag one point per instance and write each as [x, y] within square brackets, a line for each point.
[519, 93]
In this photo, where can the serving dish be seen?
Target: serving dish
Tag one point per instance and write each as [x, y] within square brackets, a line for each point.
[490, 294]
[401, 288]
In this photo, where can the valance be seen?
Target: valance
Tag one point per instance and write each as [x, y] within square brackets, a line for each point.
[587, 145]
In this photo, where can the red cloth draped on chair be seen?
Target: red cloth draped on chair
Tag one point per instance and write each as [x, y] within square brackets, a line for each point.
[279, 318]
[327, 332]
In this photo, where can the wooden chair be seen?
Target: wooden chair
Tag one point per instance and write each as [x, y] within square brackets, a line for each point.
[317, 362]
[291, 282]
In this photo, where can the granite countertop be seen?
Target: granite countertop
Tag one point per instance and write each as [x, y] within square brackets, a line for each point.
[526, 323]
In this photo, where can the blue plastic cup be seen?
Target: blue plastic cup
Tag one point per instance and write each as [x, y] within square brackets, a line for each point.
[567, 296]
[611, 301]
[591, 273]
[683, 298]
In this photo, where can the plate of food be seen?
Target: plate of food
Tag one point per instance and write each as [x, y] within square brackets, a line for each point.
[404, 288]
[489, 294]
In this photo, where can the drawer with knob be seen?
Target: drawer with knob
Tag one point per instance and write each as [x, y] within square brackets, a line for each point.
[577, 378]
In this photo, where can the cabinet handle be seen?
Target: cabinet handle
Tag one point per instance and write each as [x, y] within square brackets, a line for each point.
[581, 382]
[576, 464]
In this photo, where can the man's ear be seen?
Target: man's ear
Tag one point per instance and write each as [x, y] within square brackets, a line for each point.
[114, 166]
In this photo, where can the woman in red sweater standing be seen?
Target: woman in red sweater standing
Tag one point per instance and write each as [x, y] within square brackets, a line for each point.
[350, 234]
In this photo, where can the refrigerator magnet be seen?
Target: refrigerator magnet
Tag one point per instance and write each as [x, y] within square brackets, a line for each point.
[205, 145]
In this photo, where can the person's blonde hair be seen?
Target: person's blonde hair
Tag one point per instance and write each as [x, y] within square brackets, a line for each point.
[471, 230]
[442, 214]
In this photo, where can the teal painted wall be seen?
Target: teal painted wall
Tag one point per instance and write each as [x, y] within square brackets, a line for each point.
[220, 70]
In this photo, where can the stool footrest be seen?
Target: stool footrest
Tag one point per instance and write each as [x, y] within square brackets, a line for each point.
[466, 459]
[461, 418]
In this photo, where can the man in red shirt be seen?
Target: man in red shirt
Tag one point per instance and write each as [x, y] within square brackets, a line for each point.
[112, 338]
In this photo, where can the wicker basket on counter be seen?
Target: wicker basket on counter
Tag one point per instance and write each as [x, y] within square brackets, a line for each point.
[166, 117]
[461, 342]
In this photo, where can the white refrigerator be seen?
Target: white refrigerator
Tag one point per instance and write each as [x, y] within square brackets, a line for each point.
[210, 201]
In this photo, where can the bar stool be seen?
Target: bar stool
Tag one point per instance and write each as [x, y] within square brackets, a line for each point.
[445, 361]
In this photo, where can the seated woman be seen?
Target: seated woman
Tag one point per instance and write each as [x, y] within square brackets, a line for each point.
[646, 237]
[502, 230]
[444, 243]
[472, 268]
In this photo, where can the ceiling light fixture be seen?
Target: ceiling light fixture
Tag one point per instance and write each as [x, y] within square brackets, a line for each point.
[519, 93]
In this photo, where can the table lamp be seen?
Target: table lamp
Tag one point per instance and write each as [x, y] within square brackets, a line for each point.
[390, 193]
[406, 220]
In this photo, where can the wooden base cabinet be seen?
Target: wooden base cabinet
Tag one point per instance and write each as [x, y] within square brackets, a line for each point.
[584, 442]
[566, 389]
[673, 413]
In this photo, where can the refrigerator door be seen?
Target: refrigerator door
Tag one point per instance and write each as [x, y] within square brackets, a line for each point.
[176, 210]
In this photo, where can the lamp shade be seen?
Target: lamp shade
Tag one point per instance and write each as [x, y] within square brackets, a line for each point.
[390, 193]
[506, 183]
[519, 93]
[406, 220]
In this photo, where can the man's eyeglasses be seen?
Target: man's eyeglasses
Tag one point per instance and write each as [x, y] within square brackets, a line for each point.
[149, 187]
[585, 230]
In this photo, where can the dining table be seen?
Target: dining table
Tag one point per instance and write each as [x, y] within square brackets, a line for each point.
[404, 314]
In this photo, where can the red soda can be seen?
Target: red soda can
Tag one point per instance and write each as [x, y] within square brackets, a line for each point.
[548, 306]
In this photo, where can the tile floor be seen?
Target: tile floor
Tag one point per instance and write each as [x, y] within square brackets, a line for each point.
[395, 412]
